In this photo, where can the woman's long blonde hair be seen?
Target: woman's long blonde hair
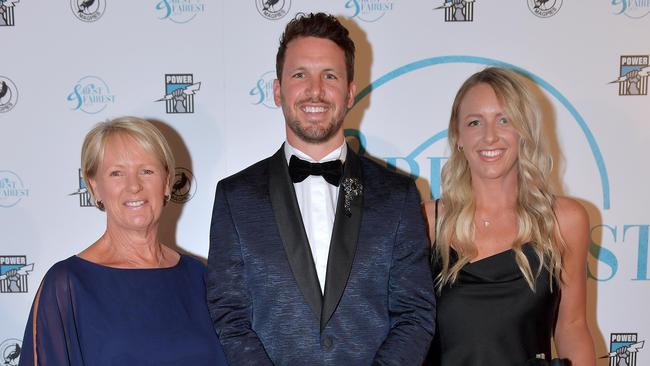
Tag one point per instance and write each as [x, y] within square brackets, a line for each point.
[536, 220]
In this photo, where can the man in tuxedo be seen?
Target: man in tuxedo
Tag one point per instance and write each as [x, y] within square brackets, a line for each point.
[319, 256]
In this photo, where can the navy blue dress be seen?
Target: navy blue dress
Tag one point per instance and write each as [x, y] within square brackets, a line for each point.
[90, 314]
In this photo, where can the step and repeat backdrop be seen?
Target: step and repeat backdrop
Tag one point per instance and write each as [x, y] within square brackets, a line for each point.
[66, 65]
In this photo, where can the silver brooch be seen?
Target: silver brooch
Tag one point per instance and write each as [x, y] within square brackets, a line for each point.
[352, 188]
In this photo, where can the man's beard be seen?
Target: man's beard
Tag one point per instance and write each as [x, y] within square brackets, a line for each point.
[315, 134]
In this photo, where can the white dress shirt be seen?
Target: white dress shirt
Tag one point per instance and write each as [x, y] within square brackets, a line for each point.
[317, 201]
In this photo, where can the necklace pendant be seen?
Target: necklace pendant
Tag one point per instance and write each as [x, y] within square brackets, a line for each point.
[486, 223]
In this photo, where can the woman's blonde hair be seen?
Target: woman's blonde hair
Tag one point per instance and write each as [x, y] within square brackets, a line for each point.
[536, 220]
[140, 130]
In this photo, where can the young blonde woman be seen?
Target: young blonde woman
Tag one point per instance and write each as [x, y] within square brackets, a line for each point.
[508, 255]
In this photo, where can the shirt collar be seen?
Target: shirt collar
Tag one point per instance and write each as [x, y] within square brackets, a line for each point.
[337, 154]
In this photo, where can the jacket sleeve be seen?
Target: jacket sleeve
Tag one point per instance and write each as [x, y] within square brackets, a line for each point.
[227, 293]
[411, 301]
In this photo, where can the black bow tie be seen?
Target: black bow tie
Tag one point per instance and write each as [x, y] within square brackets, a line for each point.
[331, 171]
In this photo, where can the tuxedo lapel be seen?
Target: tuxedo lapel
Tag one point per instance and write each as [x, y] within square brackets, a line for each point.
[344, 239]
[292, 231]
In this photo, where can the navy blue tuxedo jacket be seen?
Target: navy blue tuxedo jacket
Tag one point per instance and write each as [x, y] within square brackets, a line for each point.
[263, 293]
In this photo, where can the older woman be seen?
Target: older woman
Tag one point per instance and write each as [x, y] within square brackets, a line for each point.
[126, 299]
[509, 256]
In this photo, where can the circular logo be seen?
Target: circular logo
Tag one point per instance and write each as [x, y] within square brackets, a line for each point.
[88, 10]
[12, 189]
[184, 186]
[8, 94]
[544, 8]
[180, 11]
[90, 95]
[262, 92]
[10, 351]
[273, 9]
[369, 10]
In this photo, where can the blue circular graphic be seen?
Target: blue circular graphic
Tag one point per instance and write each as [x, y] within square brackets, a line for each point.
[595, 150]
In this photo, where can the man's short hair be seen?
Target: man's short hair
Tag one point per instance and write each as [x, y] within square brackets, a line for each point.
[319, 25]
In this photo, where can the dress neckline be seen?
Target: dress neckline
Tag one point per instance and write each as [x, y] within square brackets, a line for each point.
[498, 254]
[97, 265]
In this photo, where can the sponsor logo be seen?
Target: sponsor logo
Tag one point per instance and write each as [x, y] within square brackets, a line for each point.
[85, 199]
[458, 10]
[8, 94]
[544, 8]
[623, 348]
[180, 11]
[184, 186]
[88, 10]
[13, 273]
[273, 9]
[90, 95]
[262, 92]
[12, 189]
[10, 350]
[633, 75]
[631, 8]
[179, 93]
[7, 12]
[369, 10]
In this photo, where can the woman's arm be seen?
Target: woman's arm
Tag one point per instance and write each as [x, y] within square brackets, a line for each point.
[572, 338]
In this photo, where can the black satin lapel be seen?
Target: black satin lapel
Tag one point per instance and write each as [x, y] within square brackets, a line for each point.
[292, 231]
[344, 241]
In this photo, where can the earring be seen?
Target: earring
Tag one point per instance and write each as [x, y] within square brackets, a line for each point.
[100, 205]
[167, 198]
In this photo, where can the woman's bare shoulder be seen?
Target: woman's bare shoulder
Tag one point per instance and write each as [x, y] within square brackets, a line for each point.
[570, 212]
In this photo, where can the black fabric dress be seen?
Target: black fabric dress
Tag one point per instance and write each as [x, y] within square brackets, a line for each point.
[490, 316]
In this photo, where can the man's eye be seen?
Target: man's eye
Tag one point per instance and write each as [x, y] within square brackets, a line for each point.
[299, 75]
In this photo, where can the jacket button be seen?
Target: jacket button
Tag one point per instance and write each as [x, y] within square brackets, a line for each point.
[327, 343]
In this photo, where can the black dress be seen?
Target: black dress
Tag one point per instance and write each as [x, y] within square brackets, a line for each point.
[490, 316]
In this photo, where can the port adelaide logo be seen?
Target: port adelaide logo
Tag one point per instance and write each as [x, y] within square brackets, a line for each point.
[13, 273]
[273, 9]
[184, 186]
[7, 12]
[10, 350]
[179, 93]
[623, 349]
[85, 199]
[8, 94]
[633, 75]
[458, 10]
[88, 10]
[544, 8]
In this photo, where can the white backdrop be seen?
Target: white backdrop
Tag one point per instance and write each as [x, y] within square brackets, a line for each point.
[67, 65]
